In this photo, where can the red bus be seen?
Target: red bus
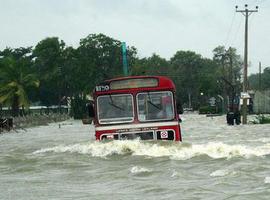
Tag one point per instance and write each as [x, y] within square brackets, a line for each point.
[136, 107]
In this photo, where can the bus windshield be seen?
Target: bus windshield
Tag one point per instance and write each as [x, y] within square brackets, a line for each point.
[115, 108]
[153, 106]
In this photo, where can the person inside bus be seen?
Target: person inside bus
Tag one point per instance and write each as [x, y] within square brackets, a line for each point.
[163, 110]
[167, 107]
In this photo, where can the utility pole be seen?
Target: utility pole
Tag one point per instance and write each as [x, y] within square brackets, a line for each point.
[260, 85]
[260, 76]
[246, 12]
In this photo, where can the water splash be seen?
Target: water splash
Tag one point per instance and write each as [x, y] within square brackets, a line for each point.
[222, 172]
[267, 179]
[139, 170]
[174, 173]
[175, 151]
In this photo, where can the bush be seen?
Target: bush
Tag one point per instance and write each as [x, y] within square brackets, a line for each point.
[261, 119]
[207, 110]
[78, 108]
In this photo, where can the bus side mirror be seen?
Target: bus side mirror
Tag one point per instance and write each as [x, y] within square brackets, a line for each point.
[179, 108]
[90, 110]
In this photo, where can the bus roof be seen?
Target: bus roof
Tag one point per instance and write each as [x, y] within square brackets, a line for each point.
[134, 83]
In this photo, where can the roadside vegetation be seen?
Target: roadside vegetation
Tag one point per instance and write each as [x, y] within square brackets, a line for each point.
[261, 119]
[52, 73]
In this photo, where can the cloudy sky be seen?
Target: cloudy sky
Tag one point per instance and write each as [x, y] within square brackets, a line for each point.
[152, 26]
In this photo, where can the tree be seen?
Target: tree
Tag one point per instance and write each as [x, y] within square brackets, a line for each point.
[185, 70]
[100, 58]
[266, 78]
[230, 64]
[48, 56]
[208, 78]
[154, 65]
[70, 71]
[264, 83]
[15, 80]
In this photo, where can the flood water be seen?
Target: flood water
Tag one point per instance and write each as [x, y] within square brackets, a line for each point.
[215, 161]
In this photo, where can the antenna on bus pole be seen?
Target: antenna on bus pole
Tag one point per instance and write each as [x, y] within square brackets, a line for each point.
[124, 56]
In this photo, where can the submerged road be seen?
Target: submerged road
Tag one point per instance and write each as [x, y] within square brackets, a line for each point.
[215, 161]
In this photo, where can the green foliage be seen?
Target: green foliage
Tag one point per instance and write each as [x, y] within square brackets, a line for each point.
[99, 58]
[262, 82]
[208, 110]
[78, 107]
[16, 79]
[229, 73]
[64, 71]
[230, 63]
[48, 64]
[264, 120]
[261, 119]
[154, 65]
[192, 75]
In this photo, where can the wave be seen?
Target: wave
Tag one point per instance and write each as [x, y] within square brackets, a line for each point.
[267, 179]
[222, 172]
[139, 170]
[175, 151]
[174, 173]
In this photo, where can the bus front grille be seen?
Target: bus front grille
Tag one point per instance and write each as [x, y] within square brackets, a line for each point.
[140, 135]
[149, 135]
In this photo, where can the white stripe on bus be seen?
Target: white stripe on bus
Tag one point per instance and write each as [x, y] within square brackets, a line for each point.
[142, 125]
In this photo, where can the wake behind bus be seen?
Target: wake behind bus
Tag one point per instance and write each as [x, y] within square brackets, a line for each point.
[133, 107]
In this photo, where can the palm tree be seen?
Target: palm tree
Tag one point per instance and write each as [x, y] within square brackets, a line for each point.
[15, 78]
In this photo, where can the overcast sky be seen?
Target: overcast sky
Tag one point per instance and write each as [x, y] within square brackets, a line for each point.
[152, 26]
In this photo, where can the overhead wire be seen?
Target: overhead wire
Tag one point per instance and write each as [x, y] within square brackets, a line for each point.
[260, 2]
[230, 29]
[236, 35]
[237, 42]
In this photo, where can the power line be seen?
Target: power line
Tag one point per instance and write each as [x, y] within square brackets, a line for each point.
[262, 1]
[229, 32]
[236, 34]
